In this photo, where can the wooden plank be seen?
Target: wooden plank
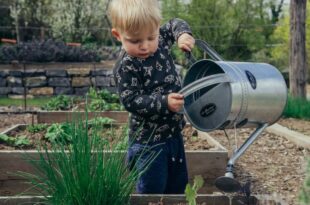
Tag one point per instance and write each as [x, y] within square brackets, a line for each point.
[211, 140]
[13, 187]
[13, 161]
[17, 200]
[293, 136]
[14, 127]
[208, 164]
[172, 199]
[63, 116]
[146, 199]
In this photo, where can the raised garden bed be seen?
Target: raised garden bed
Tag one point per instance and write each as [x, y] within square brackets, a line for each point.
[202, 199]
[205, 157]
[63, 116]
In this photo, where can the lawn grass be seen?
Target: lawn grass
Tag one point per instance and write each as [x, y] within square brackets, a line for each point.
[297, 108]
[4, 101]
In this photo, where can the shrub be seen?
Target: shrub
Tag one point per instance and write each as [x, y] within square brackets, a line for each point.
[297, 108]
[47, 51]
[103, 100]
[60, 102]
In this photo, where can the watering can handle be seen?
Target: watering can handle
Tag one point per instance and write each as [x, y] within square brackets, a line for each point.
[204, 82]
[205, 47]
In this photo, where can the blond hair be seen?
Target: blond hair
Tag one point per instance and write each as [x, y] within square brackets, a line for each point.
[134, 15]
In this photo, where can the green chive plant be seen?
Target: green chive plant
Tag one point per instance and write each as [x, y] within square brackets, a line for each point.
[86, 172]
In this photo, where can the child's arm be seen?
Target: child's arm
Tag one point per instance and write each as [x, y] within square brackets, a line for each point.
[131, 94]
[175, 30]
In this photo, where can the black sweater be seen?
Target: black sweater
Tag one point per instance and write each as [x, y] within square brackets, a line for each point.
[144, 84]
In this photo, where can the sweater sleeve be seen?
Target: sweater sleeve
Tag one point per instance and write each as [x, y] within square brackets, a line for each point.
[171, 31]
[132, 96]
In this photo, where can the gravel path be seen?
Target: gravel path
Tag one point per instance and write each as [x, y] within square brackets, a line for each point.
[273, 164]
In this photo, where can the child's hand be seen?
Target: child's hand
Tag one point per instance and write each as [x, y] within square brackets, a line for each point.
[186, 42]
[175, 102]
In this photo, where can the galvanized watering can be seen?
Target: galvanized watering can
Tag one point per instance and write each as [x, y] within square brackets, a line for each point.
[221, 94]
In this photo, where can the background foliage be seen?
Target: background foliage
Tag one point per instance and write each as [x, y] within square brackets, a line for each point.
[238, 30]
[245, 30]
[281, 36]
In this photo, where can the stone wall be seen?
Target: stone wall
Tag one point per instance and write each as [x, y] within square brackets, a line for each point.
[48, 79]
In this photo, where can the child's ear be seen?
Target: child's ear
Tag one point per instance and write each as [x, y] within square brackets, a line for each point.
[116, 34]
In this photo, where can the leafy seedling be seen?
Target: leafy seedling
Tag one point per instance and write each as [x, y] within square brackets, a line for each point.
[191, 191]
[36, 128]
[21, 141]
[100, 121]
[59, 133]
[6, 139]
[61, 102]
[103, 100]
[15, 142]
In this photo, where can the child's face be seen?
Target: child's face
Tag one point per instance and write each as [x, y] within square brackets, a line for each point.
[140, 44]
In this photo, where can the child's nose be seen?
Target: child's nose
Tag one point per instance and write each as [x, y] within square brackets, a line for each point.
[144, 45]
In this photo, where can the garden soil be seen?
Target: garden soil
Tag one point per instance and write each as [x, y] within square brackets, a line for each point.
[190, 137]
[272, 164]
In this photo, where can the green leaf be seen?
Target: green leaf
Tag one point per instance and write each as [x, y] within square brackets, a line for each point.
[190, 195]
[36, 128]
[191, 191]
[198, 182]
[7, 139]
[59, 133]
[100, 121]
[4, 138]
[21, 141]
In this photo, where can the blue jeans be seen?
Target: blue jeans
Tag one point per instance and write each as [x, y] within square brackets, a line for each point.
[167, 172]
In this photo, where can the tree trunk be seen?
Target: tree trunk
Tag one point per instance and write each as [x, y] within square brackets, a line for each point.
[298, 62]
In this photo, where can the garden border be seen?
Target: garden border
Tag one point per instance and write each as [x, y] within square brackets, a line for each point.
[139, 199]
[210, 164]
[291, 135]
[63, 116]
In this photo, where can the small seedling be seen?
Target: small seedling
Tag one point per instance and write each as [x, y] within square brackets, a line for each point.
[36, 128]
[59, 133]
[6, 139]
[100, 121]
[103, 100]
[19, 141]
[191, 191]
[61, 102]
